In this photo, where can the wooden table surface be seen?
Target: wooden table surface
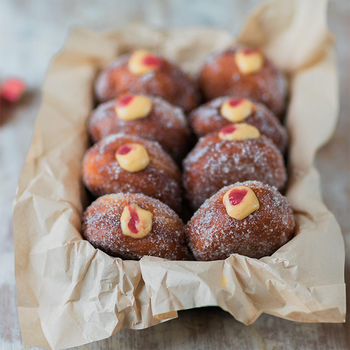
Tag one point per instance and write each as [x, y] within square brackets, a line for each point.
[31, 32]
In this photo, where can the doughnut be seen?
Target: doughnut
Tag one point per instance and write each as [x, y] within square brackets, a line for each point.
[131, 164]
[149, 117]
[237, 152]
[142, 72]
[223, 111]
[131, 226]
[248, 218]
[244, 72]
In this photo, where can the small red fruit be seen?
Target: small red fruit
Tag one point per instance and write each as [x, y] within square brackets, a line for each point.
[12, 89]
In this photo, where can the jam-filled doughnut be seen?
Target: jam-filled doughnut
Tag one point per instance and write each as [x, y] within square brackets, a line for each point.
[237, 152]
[244, 72]
[149, 117]
[223, 111]
[130, 226]
[131, 164]
[248, 218]
[142, 72]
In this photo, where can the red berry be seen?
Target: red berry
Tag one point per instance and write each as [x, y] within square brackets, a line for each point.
[12, 89]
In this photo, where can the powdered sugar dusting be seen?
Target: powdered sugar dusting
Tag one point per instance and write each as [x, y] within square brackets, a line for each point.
[168, 82]
[207, 118]
[220, 76]
[212, 234]
[102, 81]
[165, 123]
[102, 228]
[215, 163]
[160, 179]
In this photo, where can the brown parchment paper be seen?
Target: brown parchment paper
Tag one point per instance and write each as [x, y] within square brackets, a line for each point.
[70, 294]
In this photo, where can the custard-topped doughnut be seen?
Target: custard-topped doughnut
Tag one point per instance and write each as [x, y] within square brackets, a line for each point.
[237, 109]
[223, 111]
[239, 132]
[249, 60]
[244, 72]
[143, 72]
[149, 117]
[135, 221]
[133, 107]
[219, 159]
[132, 157]
[266, 224]
[240, 201]
[131, 226]
[126, 163]
[142, 61]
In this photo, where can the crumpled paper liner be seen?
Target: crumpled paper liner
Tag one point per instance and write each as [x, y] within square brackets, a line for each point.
[70, 294]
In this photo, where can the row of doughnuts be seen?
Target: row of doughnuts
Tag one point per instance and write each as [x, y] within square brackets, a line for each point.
[141, 137]
[248, 218]
[240, 71]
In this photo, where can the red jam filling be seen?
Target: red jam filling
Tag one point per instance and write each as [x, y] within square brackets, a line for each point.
[152, 61]
[228, 129]
[125, 149]
[236, 102]
[134, 220]
[125, 100]
[236, 195]
[250, 50]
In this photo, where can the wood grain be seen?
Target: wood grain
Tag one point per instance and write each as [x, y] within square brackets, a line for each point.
[30, 33]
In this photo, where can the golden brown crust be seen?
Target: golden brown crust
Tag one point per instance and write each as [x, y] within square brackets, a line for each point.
[215, 163]
[214, 235]
[207, 119]
[102, 174]
[165, 124]
[102, 228]
[220, 76]
[168, 82]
